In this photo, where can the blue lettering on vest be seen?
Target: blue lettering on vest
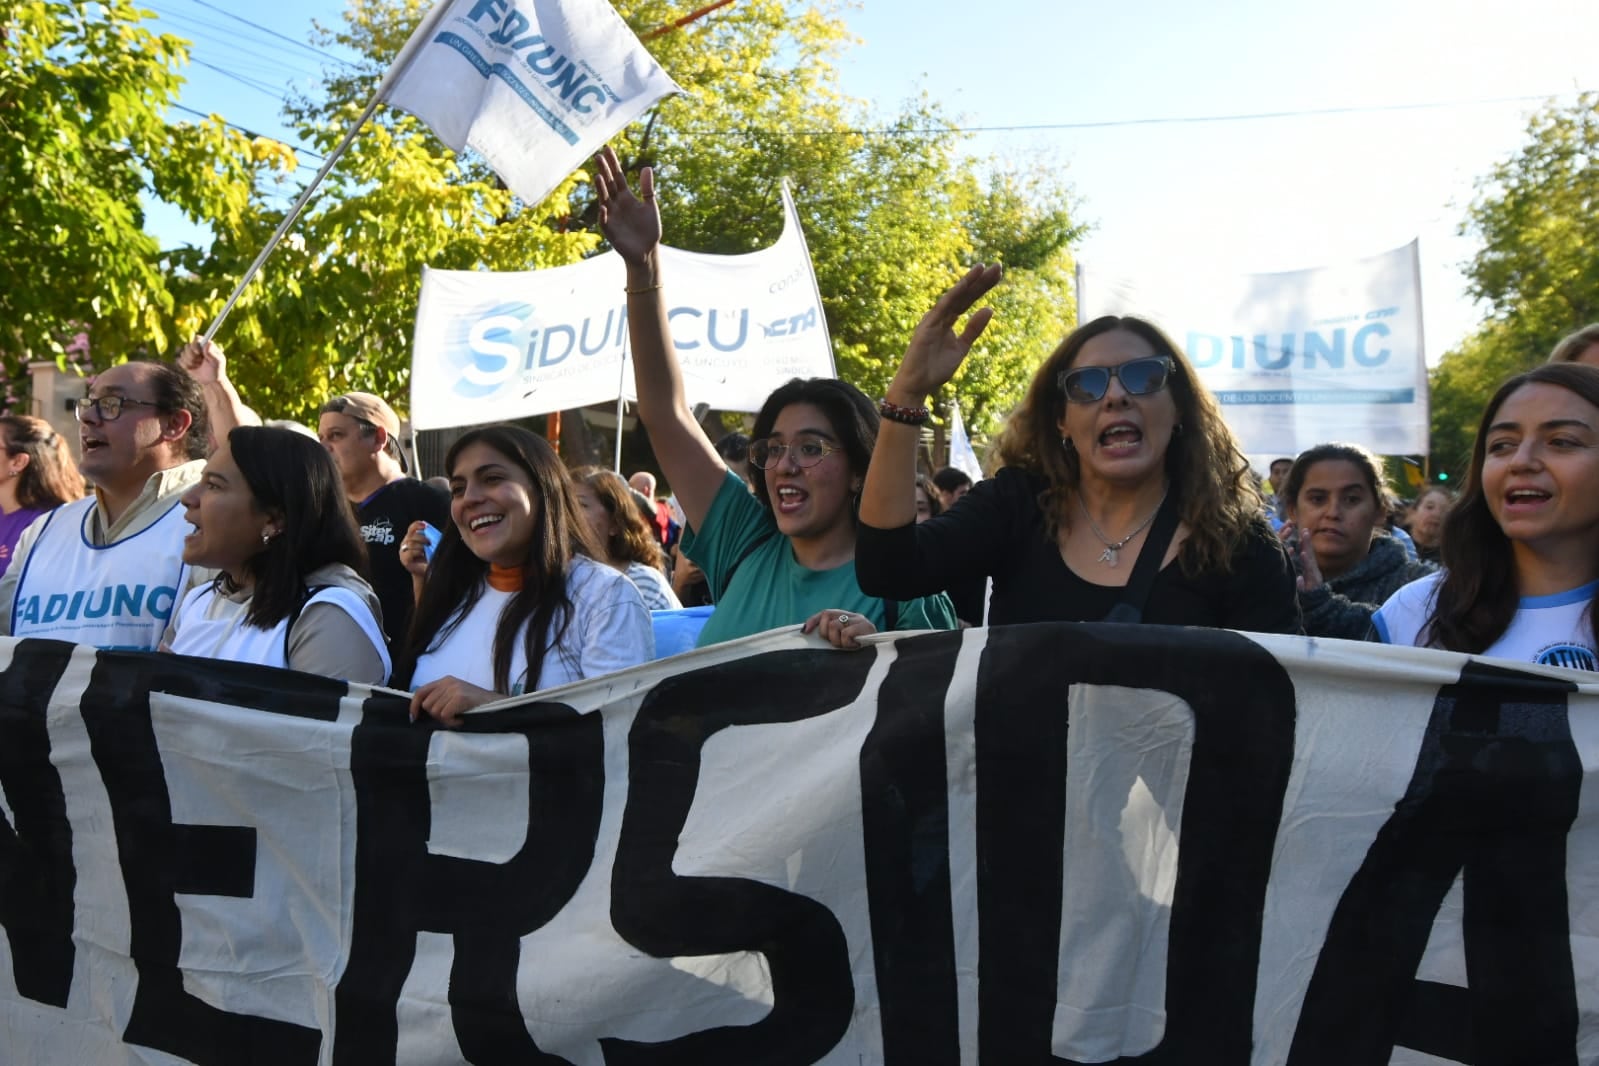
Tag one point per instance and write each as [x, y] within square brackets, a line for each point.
[77, 601]
[158, 594]
[30, 610]
[1371, 329]
[55, 606]
[90, 610]
[129, 598]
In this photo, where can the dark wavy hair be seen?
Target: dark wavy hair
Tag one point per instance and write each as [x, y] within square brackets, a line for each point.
[635, 539]
[456, 577]
[935, 506]
[1479, 593]
[853, 416]
[51, 478]
[1368, 465]
[293, 478]
[1208, 471]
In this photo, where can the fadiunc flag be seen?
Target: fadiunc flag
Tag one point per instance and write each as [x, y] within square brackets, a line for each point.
[534, 86]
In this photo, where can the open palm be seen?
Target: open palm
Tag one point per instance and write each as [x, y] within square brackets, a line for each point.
[936, 350]
[631, 223]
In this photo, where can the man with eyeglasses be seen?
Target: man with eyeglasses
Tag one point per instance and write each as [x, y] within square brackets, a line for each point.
[107, 570]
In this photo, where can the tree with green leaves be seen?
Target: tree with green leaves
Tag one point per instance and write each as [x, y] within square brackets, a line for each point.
[1537, 269]
[85, 139]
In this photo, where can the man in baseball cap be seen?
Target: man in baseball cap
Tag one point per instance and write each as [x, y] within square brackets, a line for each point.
[362, 433]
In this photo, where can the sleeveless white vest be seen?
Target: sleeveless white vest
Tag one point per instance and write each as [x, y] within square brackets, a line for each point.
[117, 597]
[229, 638]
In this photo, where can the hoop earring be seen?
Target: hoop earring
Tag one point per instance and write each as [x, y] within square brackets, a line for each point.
[1067, 445]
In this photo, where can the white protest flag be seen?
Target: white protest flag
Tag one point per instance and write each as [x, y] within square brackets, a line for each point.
[1295, 359]
[495, 346]
[534, 86]
[961, 455]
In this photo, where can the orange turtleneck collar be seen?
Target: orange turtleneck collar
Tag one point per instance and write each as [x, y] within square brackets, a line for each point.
[505, 578]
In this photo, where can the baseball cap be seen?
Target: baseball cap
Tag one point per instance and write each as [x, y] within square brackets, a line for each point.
[374, 411]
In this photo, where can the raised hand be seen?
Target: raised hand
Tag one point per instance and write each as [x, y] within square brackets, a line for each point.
[203, 361]
[1309, 570]
[936, 350]
[631, 223]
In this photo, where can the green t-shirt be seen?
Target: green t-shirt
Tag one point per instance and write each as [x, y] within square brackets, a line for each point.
[769, 588]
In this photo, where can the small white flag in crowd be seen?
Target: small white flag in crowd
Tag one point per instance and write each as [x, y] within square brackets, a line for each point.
[961, 455]
[535, 86]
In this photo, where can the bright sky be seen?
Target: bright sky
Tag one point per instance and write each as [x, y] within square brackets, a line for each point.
[1258, 195]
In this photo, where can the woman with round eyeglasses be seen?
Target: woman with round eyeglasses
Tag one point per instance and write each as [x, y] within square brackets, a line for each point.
[786, 554]
[1117, 446]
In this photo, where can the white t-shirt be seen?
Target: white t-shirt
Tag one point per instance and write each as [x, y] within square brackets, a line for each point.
[1552, 630]
[609, 631]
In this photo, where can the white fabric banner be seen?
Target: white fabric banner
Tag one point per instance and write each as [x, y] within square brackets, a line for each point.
[1298, 358]
[1092, 842]
[535, 86]
[493, 346]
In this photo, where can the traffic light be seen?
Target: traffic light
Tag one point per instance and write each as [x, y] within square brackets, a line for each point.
[1443, 475]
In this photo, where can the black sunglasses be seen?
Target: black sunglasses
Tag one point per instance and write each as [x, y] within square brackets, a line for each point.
[1140, 377]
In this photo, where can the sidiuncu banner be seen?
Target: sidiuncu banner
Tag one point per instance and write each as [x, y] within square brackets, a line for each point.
[495, 346]
[1296, 359]
[535, 86]
[1025, 844]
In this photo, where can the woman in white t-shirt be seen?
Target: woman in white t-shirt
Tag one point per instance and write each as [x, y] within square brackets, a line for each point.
[514, 600]
[1521, 546]
[269, 513]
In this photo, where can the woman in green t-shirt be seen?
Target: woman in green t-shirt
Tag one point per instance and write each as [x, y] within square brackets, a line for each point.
[786, 554]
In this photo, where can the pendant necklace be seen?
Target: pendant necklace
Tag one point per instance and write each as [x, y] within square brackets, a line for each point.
[1113, 548]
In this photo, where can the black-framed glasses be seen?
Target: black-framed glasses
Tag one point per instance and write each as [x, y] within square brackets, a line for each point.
[1140, 377]
[108, 408]
[805, 450]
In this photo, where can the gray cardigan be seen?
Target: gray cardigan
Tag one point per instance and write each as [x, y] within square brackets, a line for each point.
[1343, 606]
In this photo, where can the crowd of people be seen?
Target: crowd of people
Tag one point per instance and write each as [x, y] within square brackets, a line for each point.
[1119, 494]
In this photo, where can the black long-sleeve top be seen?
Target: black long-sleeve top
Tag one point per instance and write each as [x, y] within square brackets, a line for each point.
[998, 530]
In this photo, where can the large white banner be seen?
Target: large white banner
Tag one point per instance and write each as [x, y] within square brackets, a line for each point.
[1298, 358]
[535, 86]
[493, 346]
[1079, 843]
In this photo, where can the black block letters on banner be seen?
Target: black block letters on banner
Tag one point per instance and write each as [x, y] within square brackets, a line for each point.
[664, 915]
[1492, 801]
[1242, 753]
[37, 876]
[402, 889]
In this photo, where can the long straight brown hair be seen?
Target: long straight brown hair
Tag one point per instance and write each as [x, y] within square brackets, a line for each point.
[1479, 594]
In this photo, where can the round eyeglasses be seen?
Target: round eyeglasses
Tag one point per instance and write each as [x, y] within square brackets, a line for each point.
[806, 451]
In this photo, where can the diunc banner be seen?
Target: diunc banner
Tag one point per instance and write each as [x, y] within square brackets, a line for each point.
[496, 346]
[1024, 845]
[1296, 359]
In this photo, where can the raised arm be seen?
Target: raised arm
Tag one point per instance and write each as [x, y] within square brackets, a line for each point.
[633, 226]
[224, 408]
[935, 352]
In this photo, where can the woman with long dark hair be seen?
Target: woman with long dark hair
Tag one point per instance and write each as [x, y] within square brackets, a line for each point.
[515, 599]
[1521, 546]
[785, 555]
[38, 476]
[1118, 452]
[269, 514]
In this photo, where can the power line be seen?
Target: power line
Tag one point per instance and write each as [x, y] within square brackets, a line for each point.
[274, 91]
[216, 35]
[249, 132]
[273, 33]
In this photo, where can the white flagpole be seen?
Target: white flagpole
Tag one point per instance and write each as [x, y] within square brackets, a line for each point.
[400, 63]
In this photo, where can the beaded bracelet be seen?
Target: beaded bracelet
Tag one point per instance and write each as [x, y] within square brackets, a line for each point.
[905, 416]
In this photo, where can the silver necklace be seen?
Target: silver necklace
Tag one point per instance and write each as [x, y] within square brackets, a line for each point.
[1113, 548]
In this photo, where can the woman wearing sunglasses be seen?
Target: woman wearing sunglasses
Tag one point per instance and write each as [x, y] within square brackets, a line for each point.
[786, 554]
[1115, 446]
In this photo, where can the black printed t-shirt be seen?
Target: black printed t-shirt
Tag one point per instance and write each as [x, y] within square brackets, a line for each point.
[384, 517]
